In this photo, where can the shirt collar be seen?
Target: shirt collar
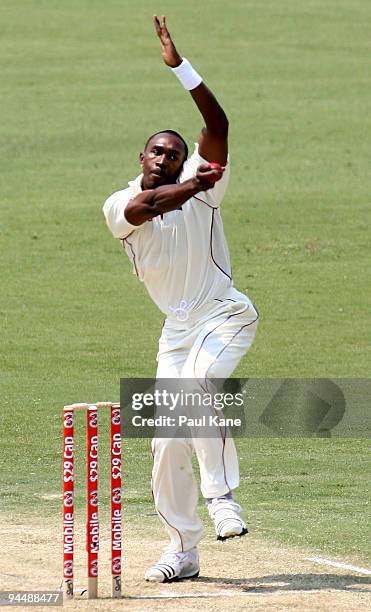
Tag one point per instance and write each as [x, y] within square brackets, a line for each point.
[136, 185]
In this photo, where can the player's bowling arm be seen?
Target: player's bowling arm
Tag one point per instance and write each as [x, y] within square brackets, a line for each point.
[153, 202]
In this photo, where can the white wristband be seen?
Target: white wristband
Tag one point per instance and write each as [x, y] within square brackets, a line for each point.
[187, 75]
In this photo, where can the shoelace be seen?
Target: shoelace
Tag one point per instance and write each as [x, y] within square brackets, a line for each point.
[169, 557]
[224, 505]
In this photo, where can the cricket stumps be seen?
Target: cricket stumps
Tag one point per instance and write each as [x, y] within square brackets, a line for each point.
[92, 498]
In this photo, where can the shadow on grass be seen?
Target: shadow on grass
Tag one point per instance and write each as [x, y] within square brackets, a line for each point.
[264, 585]
[293, 582]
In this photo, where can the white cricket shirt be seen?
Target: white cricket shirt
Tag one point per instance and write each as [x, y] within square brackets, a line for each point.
[181, 257]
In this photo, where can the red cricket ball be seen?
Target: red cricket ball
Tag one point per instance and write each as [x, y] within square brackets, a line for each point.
[216, 166]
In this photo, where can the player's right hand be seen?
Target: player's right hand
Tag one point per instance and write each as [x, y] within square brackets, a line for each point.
[207, 175]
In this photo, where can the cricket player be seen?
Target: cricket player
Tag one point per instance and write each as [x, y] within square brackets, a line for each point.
[169, 221]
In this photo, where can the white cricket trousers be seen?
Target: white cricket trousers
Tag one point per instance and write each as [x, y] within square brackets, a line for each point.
[208, 345]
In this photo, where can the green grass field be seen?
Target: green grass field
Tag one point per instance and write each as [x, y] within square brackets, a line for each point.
[83, 85]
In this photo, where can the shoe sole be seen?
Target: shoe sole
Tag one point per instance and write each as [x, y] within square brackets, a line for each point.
[175, 579]
[233, 535]
[178, 578]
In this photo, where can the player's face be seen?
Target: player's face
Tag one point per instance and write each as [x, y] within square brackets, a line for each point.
[162, 160]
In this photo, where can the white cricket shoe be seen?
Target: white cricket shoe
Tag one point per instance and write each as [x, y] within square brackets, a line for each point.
[226, 516]
[174, 566]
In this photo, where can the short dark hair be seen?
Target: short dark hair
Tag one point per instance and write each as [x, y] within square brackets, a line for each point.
[174, 133]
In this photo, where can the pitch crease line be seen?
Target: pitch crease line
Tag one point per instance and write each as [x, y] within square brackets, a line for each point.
[339, 564]
[183, 595]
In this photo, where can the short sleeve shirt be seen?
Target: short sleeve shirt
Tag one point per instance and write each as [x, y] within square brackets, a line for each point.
[181, 256]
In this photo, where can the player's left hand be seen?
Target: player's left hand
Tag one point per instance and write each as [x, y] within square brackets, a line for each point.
[169, 53]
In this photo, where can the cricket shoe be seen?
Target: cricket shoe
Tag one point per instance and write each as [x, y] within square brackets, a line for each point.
[174, 566]
[225, 514]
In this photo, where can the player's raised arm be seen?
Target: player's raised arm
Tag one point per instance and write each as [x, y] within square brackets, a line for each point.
[213, 140]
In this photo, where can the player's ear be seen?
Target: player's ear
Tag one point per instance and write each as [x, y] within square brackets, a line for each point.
[141, 158]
